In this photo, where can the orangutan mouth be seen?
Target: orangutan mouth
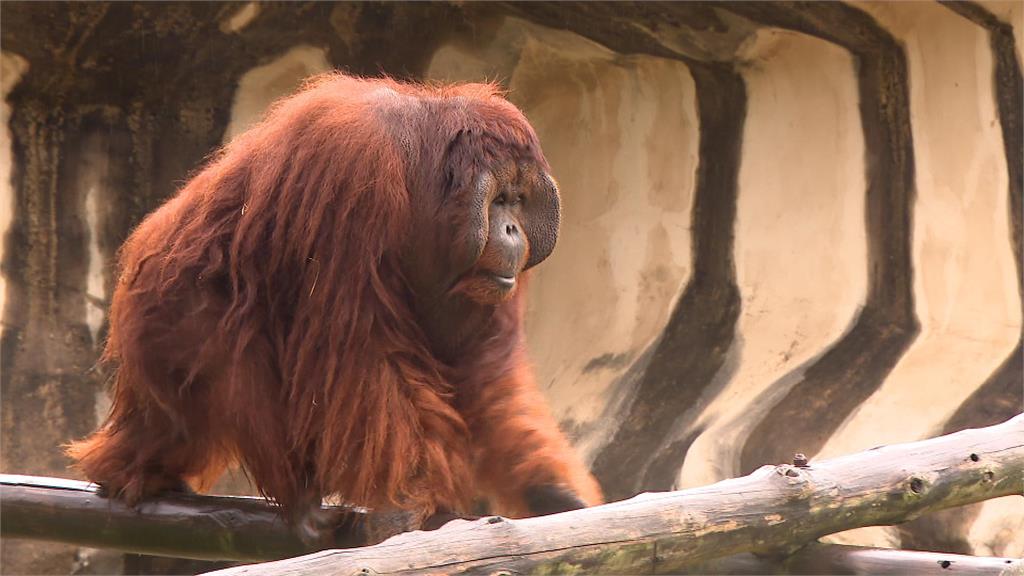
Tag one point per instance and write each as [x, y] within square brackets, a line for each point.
[505, 282]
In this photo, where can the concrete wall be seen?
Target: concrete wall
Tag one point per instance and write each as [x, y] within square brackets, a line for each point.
[965, 284]
[799, 234]
[770, 215]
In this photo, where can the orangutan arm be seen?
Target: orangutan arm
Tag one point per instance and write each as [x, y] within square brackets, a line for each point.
[523, 462]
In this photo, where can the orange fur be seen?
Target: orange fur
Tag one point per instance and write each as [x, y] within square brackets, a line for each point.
[520, 445]
[262, 316]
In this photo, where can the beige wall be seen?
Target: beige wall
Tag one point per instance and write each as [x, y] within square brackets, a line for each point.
[965, 284]
[259, 87]
[799, 232]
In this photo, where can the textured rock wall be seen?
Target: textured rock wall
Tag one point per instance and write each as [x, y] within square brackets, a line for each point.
[787, 227]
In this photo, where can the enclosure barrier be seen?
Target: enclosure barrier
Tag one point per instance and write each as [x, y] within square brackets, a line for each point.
[768, 521]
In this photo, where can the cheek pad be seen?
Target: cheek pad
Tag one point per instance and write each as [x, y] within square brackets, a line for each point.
[542, 222]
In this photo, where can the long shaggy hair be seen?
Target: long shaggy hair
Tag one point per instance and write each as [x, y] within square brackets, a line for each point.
[262, 316]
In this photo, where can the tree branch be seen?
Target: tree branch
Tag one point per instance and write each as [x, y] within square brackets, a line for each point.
[818, 558]
[180, 525]
[777, 509]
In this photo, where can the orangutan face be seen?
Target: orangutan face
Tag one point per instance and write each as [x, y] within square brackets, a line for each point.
[517, 220]
[485, 235]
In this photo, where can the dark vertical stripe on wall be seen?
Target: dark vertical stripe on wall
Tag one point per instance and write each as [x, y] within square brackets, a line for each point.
[1002, 394]
[856, 365]
[693, 345]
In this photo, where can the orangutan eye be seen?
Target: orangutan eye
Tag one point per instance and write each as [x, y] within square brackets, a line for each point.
[504, 199]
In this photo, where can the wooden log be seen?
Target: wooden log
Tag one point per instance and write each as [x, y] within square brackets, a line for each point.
[179, 525]
[776, 509]
[839, 559]
[61, 507]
